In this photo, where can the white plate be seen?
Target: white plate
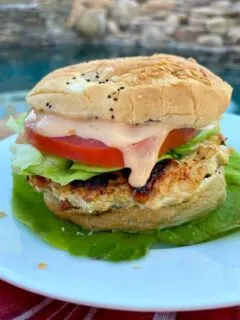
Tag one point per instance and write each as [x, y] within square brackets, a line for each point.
[197, 277]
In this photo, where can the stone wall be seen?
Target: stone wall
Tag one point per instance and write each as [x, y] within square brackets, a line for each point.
[35, 23]
[149, 23]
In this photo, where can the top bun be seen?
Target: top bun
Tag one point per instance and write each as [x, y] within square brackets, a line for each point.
[134, 90]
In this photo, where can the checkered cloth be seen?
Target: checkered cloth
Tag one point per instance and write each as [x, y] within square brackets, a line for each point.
[18, 304]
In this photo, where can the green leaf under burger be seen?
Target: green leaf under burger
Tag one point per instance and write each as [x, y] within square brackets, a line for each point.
[29, 208]
[219, 222]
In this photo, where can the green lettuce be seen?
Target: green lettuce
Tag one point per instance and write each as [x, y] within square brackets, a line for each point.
[25, 156]
[219, 222]
[16, 125]
[29, 161]
[84, 167]
[192, 144]
[165, 157]
[29, 208]
[232, 171]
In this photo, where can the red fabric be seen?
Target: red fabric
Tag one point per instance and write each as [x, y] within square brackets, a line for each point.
[220, 314]
[15, 302]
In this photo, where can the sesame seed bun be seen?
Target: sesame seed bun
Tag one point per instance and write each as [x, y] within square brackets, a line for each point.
[134, 90]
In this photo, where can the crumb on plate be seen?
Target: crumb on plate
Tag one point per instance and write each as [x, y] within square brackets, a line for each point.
[42, 266]
[136, 267]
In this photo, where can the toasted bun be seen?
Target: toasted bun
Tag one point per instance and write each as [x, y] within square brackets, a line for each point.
[138, 89]
[210, 195]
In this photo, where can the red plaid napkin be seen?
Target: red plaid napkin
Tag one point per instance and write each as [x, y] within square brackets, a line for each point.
[18, 304]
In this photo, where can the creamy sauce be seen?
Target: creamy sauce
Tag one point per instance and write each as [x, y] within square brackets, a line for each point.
[140, 158]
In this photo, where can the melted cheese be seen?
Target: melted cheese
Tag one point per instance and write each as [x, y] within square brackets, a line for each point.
[139, 145]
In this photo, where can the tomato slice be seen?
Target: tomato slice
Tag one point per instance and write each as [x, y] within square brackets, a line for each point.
[94, 152]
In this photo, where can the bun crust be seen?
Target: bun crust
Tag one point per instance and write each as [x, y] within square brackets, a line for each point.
[210, 195]
[134, 90]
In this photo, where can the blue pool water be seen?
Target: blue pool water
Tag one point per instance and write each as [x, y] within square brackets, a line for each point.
[21, 68]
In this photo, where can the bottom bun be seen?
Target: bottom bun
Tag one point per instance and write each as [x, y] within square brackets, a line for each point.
[210, 194]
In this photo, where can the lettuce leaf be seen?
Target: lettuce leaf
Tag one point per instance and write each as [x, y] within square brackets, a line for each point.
[16, 125]
[25, 156]
[165, 157]
[29, 208]
[219, 222]
[192, 144]
[232, 171]
[84, 167]
[29, 161]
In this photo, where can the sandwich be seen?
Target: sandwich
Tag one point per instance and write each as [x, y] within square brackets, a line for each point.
[128, 144]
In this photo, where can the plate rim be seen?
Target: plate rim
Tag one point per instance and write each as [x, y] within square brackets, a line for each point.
[197, 306]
